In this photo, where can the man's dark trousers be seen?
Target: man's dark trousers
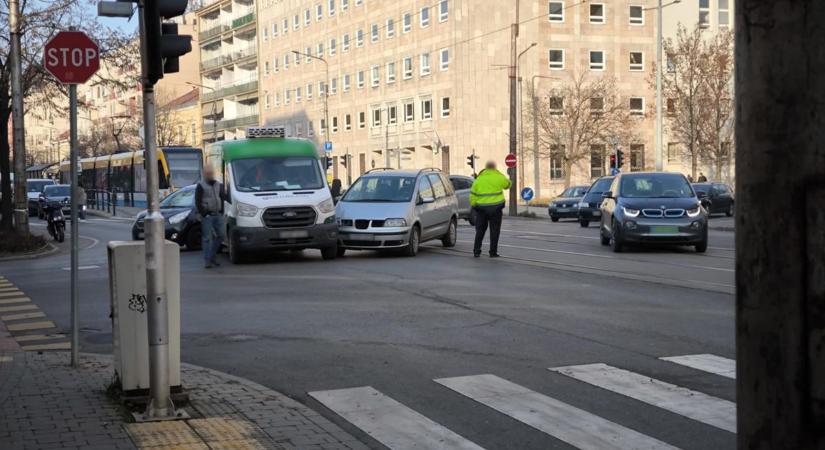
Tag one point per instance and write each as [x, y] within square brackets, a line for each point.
[488, 215]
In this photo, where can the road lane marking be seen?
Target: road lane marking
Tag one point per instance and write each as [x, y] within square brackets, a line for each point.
[38, 337]
[31, 326]
[83, 267]
[388, 421]
[707, 363]
[567, 423]
[692, 404]
[548, 250]
[31, 315]
[17, 308]
[9, 301]
[11, 294]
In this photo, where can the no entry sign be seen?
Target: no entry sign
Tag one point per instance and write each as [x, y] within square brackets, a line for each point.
[510, 160]
[72, 57]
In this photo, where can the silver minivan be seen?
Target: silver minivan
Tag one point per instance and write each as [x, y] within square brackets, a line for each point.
[397, 209]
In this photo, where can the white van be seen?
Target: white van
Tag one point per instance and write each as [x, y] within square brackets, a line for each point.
[277, 194]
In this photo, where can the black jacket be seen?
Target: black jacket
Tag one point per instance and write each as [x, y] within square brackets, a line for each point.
[199, 197]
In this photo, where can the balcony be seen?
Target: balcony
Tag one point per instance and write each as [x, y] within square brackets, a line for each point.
[243, 20]
[233, 89]
[212, 32]
[215, 62]
[251, 50]
[245, 121]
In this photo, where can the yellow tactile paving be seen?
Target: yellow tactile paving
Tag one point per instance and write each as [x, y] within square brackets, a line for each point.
[31, 315]
[4, 309]
[31, 326]
[38, 337]
[39, 347]
[242, 444]
[216, 429]
[9, 301]
[163, 435]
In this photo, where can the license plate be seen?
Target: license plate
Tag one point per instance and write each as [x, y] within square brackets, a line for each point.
[563, 210]
[361, 237]
[294, 234]
[664, 229]
[597, 213]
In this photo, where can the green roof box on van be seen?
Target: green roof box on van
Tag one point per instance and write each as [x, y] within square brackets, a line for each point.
[267, 142]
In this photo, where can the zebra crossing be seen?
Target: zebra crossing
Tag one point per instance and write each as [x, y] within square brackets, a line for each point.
[26, 323]
[398, 426]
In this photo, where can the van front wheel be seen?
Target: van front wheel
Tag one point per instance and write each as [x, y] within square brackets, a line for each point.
[328, 253]
[236, 255]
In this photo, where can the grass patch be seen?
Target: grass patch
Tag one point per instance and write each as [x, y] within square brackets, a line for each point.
[15, 243]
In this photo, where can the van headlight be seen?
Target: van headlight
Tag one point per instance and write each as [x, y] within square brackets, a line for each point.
[695, 211]
[245, 210]
[178, 218]
[630, 212]
[395, 223]
[327, 206]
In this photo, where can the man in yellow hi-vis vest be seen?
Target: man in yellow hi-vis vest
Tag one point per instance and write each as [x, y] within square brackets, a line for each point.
[487, 202]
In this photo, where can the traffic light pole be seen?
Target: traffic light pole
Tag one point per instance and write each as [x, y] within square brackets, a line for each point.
[513, 207]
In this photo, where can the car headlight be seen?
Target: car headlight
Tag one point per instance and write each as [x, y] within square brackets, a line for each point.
[245, 210]
[583, 205]
[395, 223]
[327, 206]
[178, 218]
[630, 212]
[695, 211]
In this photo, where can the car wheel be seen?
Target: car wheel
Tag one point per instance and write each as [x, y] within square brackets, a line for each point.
[415, 240]
[60, 234]
[341, 251]
[236, 255]
[449, 239]
[584, 223]
[554, 218]
[702, 247]
[729, 212]
[616, 239]
[194, 238]
[329, 253]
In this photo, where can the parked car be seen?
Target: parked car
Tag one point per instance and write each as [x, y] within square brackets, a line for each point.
[34, 187]
[462, 185]
[58, 193]
[653, 207]
[591, 202]
[397, 209]
[183, 224]
[566, 205]
[717, 198]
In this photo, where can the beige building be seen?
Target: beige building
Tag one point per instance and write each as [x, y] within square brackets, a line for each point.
[228, 67]
[44, 124]
[420, 83]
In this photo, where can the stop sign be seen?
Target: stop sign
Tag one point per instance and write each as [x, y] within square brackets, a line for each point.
[510, 160]
[72, 57]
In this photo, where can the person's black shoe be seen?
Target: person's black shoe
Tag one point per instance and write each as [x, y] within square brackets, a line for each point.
[494, 255]
[208, 266]
[215, 263]
[476, 254]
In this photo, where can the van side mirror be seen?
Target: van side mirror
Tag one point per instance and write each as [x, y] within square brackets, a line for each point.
[608, 194]
[423, 200]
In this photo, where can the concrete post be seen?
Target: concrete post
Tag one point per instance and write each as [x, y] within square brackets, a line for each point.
[780, 243]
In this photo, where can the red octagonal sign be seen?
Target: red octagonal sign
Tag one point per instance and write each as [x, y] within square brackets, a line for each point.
[510, 160]
[72, 57]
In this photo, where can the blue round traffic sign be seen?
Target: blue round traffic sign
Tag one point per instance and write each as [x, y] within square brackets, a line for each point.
[527, 194]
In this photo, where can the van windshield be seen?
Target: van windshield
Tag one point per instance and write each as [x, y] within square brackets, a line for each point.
[381, 189]
[276, 174]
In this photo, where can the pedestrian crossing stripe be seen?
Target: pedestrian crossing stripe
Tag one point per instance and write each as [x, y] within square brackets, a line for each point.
[50, 346]
[31, 326]
[567, 423]
[22, 316]
[38, 337]
[14, 308]
[716, 365]
[10, 294]
[388, 421]
[692, 404]
[9, 301]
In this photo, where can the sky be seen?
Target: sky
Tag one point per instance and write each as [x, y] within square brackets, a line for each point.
[127, 25]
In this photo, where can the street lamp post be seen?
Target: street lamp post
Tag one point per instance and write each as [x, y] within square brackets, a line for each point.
[521, 112]
[659, 44]
[326, 88]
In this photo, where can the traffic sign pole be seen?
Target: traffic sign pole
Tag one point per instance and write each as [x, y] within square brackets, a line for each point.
[75, 223]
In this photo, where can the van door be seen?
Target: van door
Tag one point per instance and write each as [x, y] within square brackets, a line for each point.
[426, 211]
[443, 210]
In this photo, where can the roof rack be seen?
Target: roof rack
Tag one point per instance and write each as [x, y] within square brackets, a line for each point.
[266, 132]
[429, 169]
[379, 169]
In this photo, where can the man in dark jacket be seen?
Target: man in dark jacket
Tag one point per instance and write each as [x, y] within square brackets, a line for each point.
[209, 198]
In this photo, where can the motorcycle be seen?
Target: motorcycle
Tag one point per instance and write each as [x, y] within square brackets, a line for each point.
[56, 220]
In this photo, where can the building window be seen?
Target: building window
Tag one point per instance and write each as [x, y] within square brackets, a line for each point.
[345, 42]
[333, 45]
[297, 59]
[346, 82]
[390, 28]
[285, 26]
[376, 117]
[333, 86]
[392, 114]
[596, 60]
[672, 152]
[323, 126]
[286, 62]
[445, 106]
[374, 33]
[408, 68]
[443, 11]
[266, 67]
[335, 124]
[704, 13]
[309, 91]
[724, 13]
[597, 160]
[331, 7]
[319, 12]
[637, 15]
[359, 2]
[277, 101]
[424, 17]
[637, 106]
[298, 95]
[444, 59]
[296, 22]
[407, 23]
[307, 17]
[425, 64]
[320, 50]
[266, 101]
[556, 59]
[409, 111]
[596, 106]
[264, 33]
[391, 72]
[637, 157]
[637, 61]
[597, 13]
[556, 105]
[426, 109]
[310, 129]
[376, 76]
[287, 96]
[274, 29]
[556, 162]
[362, 120]
[322, 89]
[299, 129]
[308, 54]
[347, 120]
[359, 38]
[556, 13]
[359, 79]
[344, 5]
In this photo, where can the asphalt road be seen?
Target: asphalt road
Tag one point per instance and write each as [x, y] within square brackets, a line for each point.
[556, 298]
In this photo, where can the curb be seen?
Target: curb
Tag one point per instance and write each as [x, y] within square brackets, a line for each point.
[46, 250]
[106, 215]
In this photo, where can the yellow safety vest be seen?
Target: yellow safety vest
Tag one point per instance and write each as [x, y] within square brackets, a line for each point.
[487, 188]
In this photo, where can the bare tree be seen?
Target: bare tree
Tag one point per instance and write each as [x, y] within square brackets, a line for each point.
[583, 113]
[717, 131]
[167, 120]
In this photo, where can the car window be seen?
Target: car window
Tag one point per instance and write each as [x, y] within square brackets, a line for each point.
[438, 186]
[181, 199]
[389, 189]
[425, 189]
[57, 191]
[461, 183]
[655, 185]
[37, 185]
[601, 185]
[448, 186]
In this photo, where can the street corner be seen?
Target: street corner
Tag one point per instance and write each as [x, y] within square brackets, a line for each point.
[24, 326]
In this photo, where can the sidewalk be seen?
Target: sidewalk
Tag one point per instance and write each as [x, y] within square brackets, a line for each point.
[45, 404]
[126, 212]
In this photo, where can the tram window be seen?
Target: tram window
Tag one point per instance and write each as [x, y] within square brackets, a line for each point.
[163, 181]
[140, 178]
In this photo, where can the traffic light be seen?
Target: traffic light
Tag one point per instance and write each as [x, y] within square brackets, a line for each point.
[471, 161]
[613, 161]
[329, 162]
[621, 159]
[345, 160]
[163, 43]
